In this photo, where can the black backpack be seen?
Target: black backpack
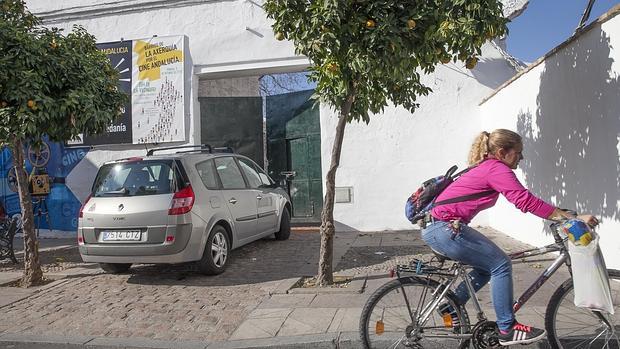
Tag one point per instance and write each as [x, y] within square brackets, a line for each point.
[423, 199]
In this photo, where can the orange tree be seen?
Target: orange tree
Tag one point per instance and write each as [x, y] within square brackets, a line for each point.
[51, 85]
[366, 53]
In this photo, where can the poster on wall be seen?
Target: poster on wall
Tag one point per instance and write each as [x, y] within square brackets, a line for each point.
[118, 132]
[57, 210]
[152, 73]
[157, 92]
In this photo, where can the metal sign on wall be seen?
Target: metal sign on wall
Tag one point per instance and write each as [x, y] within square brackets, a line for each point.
[152, 73]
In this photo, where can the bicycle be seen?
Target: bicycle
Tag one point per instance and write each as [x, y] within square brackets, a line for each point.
[403, 313]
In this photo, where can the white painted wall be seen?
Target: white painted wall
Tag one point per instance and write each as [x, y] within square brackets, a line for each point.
[567, 108]
[386, 160]
[223, 36]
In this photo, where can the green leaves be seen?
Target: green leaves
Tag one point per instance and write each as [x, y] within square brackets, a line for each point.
[52, 84]
[381, 46]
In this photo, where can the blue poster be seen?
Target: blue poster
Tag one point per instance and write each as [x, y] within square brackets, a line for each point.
[57, 210]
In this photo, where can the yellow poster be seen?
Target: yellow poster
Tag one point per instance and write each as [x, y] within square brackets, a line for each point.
[158, 94]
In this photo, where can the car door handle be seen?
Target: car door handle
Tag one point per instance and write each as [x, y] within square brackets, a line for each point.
[258, 197]
[233, 201]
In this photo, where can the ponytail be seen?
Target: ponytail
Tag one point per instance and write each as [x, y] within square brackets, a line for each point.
[488, 143]
[479, 149]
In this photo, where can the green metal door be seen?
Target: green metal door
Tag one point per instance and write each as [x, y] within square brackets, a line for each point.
[294, 151]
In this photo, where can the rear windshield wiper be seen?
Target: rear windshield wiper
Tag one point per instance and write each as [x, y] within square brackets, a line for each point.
[119, 192]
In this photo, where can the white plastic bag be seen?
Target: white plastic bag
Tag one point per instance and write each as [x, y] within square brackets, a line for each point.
[590, 278]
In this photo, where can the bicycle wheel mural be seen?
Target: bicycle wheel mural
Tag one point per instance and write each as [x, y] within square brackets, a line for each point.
[55, 207]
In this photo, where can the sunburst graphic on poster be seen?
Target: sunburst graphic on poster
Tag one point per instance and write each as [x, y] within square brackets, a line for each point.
[158, 90]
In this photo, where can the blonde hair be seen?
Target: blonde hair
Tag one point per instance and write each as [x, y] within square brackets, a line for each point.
[488, 143]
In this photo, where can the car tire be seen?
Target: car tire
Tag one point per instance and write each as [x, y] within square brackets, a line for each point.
[285, 226]
[215, 256]
[115, 268]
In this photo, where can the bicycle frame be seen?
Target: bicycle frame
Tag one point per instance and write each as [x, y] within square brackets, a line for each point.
[459, 271]
[563, 258]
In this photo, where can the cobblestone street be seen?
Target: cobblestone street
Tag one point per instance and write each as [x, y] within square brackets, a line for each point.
[164, 302]
[171, 302]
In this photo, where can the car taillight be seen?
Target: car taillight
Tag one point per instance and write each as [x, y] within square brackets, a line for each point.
[83, 206]
[182, 201]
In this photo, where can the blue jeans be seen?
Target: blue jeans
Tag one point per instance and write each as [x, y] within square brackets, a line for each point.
[489, 262]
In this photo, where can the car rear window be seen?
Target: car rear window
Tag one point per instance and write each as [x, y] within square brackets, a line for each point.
[136, 178]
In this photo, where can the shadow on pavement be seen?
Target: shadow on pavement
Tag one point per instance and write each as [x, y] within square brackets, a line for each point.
[269, 260]
[53, 260]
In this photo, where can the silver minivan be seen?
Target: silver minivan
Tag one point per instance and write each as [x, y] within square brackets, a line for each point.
[193, 205]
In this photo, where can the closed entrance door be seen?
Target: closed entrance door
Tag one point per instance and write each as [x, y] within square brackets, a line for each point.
[294, 151]
[305, 184]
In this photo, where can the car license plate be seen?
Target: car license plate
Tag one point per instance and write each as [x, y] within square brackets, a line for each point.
[129, 235]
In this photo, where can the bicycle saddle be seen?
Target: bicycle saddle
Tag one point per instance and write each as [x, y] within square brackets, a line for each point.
[441, 257]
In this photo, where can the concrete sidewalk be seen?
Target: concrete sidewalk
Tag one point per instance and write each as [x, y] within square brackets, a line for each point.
[252, 305]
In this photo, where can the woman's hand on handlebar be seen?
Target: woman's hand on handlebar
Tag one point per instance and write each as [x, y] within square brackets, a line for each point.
[589, 219]
[561, 214]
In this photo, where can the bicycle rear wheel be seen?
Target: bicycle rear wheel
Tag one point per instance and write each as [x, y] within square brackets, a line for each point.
[389, 317]
[570, 327]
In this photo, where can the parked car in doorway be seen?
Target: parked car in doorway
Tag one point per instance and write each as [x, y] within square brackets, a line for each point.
[194, 205]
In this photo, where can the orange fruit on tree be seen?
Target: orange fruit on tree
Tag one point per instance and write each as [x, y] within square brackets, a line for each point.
[445, 59]
[31, 104]
[370, 24]
[411, 24]
[279, 36]
[332, 67]
[471, 62]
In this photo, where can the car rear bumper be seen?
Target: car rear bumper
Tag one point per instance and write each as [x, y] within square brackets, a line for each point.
[185, 248]
[181, 257]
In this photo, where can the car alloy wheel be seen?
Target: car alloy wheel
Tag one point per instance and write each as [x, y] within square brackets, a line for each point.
[219, 249]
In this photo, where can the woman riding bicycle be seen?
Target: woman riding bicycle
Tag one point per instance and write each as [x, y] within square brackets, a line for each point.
[494, 157]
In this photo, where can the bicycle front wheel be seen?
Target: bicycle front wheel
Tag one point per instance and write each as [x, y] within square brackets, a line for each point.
[570, 327]
[391, 317]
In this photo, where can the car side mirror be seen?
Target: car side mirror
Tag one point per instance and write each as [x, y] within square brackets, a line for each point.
[270, 186]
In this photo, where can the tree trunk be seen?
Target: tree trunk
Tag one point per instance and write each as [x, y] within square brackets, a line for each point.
[32, 266]
[326, 275]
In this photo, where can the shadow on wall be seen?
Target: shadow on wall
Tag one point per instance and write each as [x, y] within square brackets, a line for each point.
[571, 146]
[491, 72]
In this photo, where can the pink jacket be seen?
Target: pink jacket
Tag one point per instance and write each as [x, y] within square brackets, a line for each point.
[490, 174]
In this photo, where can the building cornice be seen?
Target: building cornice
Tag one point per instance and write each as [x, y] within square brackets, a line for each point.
[111, 8]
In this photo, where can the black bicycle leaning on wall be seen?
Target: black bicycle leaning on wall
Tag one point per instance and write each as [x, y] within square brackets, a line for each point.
[403, 312]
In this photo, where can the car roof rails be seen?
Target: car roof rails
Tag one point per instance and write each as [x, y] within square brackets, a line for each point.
[201, 147]
[224, 150]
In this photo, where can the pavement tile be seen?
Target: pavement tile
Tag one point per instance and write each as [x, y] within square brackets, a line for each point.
[312, 341]
[261, 323]
[10, 295]
[287, 300]
[337, 301]
[130, 343]
[367, 240]
[307, 321]
[345, 320]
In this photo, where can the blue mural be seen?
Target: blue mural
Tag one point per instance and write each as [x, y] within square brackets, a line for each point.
[61, 205]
